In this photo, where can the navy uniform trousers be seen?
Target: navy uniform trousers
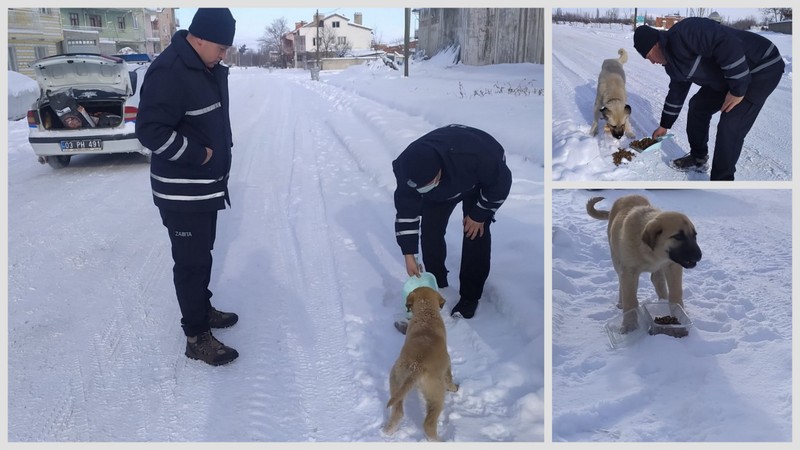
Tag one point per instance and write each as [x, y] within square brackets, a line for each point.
[733, 126]
[192, 236]
[475, 253]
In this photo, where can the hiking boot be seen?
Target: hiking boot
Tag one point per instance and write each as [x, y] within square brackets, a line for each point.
[205, 347]
[689, 162]
[219, 319]
[465, 308]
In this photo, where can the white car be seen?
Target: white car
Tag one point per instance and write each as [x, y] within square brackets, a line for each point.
[87, 104]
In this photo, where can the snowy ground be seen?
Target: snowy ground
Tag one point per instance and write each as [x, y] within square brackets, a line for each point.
[306, 257]
[729, 379]
[578, 53]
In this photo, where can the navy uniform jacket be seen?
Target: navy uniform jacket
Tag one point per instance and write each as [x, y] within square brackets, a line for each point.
[471, 159]
[184, 109]
[706, 53]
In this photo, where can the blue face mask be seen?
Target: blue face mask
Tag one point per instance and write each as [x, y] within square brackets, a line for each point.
[427, 188]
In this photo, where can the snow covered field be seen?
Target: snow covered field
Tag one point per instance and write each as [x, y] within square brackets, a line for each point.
[730, 379]
[578, 53]
[306, 257]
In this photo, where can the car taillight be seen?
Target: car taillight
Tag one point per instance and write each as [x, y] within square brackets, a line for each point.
[130, 113]
[33, 119]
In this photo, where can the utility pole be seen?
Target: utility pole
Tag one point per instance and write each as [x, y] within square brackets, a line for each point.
[635, 17]
[316, 19]
[406, 40]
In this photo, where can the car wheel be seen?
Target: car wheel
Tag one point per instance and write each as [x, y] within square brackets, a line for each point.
[58, 162]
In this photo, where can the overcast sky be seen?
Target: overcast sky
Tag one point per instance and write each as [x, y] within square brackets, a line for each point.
[387, 23]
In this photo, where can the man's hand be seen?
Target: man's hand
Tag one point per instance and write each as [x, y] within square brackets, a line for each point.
[660, 131]
[413, 269]
[209, 152]
[730, 101]
[472, 229]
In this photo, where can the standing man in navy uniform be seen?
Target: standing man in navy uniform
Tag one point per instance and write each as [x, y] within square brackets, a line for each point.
[450, 165]
[737, 70]
[184, 120]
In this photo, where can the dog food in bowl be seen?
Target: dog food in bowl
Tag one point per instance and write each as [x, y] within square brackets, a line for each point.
[643, 143]
[667, 318]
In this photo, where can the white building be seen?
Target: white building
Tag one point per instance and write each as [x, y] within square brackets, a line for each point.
[333, 26]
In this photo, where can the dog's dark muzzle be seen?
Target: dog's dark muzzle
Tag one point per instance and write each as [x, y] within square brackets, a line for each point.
[687, 256]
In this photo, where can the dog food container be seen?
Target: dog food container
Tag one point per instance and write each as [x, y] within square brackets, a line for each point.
[617, 338]
[426, 279]
[667, 318]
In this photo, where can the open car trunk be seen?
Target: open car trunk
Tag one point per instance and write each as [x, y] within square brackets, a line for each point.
[85, 87]
[95, 109]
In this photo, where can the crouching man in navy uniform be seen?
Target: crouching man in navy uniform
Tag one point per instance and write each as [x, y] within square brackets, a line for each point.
[737, 70]
[184, 120]
[450, 165]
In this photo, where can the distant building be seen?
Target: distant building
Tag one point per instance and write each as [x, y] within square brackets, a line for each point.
[333, 35]
[667, 22]
[33, 33]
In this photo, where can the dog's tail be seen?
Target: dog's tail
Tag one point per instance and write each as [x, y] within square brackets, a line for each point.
[408, 383]
[623, 56]
[597, 214]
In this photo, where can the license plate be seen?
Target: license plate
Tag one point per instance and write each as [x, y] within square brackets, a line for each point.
[82, 145]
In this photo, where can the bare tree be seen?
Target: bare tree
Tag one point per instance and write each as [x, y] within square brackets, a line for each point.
[272, 39]
[776, 14]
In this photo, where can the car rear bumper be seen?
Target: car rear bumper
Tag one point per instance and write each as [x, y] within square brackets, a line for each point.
[112, 143]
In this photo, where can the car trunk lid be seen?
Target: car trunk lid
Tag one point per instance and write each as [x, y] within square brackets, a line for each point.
[83, 72]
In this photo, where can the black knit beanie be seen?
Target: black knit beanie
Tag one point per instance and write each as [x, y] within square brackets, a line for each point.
[214, 24]
[419, 164]
[644, 38]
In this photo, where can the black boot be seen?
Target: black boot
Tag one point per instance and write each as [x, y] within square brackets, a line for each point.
[208, 349]
[466, 308]
[690, 162]
[219, 319]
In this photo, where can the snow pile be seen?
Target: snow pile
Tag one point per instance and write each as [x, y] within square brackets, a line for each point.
[23, 92]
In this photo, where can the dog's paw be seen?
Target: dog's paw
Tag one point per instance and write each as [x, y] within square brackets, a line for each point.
[630, 322]
[452, 387]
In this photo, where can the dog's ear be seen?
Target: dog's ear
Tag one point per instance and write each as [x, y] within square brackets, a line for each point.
[441, 302]
[410, 300]
[628, 109]
[651, 233]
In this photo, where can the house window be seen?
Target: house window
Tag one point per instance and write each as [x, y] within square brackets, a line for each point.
[95, 21]
[314, 42]
[154, 25]
[335, 24]
[135, 20]
[341, 40]
[40, 51]
[45, 11]
[74, 19]
[12, 59]
[120, 23]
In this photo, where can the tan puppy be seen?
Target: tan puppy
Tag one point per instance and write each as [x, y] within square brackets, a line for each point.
[423, 362]
[645, 239]
[612, 98]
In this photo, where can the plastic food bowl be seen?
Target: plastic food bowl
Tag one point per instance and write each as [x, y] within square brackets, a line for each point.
[659, 311]
[617, 338]
[426, 279]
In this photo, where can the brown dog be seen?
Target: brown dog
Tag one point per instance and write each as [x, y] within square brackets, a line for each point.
[423, 362]
[645, 239]
[611, 101]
